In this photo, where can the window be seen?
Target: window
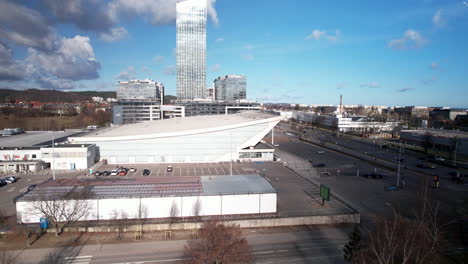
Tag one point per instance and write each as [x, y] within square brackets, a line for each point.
[33, 156]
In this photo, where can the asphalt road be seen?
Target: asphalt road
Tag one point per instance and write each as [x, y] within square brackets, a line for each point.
[319, 244]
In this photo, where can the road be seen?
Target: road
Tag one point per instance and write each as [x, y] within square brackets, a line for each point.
[318, 244]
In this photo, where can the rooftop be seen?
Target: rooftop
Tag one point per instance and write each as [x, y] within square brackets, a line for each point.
[36, 138]
[152, 187]
[180, 124]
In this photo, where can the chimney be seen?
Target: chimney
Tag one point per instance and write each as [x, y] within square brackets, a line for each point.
[341, 105]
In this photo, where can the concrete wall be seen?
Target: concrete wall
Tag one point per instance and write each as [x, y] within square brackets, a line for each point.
[160, 207]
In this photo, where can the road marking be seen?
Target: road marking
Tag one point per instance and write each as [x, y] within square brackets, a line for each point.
[151, 261]
[263, 252]
[283, 250]
[78, 260]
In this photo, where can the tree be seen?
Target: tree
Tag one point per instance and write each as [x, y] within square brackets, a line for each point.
[120, 220]
[353, 245]
[218, 244]
[427, 141]
[196, 209]
[141, 218]
[63, 209]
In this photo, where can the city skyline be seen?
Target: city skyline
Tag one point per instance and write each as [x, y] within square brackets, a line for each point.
[411, 54]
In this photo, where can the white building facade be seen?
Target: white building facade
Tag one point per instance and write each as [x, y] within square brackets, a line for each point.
[183, 140]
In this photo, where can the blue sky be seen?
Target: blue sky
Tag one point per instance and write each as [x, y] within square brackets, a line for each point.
[411, 52]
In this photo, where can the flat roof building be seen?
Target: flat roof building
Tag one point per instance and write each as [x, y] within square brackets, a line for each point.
[187, 196]
[190, 139]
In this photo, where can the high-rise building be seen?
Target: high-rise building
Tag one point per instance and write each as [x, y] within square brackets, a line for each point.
[191, 49]
[230, 88]
[140, 89]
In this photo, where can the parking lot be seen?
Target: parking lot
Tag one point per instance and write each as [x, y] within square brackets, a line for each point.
[194, 169]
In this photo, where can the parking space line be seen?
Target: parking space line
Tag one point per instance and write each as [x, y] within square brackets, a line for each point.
[209, 171]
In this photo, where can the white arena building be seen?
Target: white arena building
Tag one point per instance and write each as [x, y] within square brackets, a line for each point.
[158, 197]
[216, 138]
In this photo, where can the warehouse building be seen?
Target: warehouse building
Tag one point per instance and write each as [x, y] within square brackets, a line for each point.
[160, 197]
[184, 140]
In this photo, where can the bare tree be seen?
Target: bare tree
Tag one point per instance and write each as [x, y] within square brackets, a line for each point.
[399, 239]
[121, 222]
[63, 209]
[141, 218]
[218, 243]
[196, 209]
[173, 214]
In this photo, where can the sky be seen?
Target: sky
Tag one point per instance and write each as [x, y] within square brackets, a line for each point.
[394, 53]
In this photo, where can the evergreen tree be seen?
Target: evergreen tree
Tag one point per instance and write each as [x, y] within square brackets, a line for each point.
[353, 245]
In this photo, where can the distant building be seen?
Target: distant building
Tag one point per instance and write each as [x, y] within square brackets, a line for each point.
[140, 89]
[230, 88]
[191, 18]
[97, 99]
[408, 112]
[211, 93]
[140, 101]
[209, 107]
[441, 116]
[442, 140]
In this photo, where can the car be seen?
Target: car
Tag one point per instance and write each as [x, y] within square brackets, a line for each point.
[426, 166]
[319, 165]
[146, 172]
[169, 169]
[320, 152]
[114, 173]
[122, 172]
[106, 173]
[31, 187]
[97, 173]
[326, 173]
[3, 182]
[10, 179]
[133, 169]
[276, 145]
[374, 176]
[439, 159]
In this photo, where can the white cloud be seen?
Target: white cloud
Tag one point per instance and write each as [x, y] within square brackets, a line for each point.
[9, 69]
[430, 80]
[128, 74]
[115, 34]
[370, 85]
[154, 11]
[437, 19]
[411, 40]
[434, 65]
[215, 68]
[170, 70]
[158, 59]
[219, 40]
[404, 90]
[73, 60]
[247, 56]
[322, 34]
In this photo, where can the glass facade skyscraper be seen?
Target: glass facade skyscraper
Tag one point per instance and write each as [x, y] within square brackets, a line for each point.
[140, 89]
[191, 49]
[230, 88]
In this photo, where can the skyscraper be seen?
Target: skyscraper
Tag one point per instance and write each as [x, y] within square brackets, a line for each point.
[191, 49]
[230, 87]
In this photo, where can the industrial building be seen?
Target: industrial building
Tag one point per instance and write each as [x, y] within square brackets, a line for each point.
[230, 88]
[160, 197]
[135, 111]
[190, 139]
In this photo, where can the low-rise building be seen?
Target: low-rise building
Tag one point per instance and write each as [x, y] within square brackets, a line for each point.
[443, 140]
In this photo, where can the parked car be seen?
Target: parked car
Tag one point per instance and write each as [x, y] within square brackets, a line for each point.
[2, 182]
[31, 187]
[106, 173]
[326, 173]
[10, 179]
[133, 169]
[320, 165]
[114, 173]
[320, 152]
[97, 173]
[169, 169]
[146, 172]
[122, 172]
[374, 176]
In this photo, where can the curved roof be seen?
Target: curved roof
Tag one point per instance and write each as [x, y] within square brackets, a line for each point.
[178, 126]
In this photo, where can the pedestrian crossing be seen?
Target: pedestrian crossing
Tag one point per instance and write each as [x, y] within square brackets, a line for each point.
[78, 260]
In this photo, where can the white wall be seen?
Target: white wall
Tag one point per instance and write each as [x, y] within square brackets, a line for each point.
[160, 207]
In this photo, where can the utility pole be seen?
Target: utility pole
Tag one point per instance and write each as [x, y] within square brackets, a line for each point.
[398, 172]
[230, 139]
[455, 154]
[273, 136]
[53, 156]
